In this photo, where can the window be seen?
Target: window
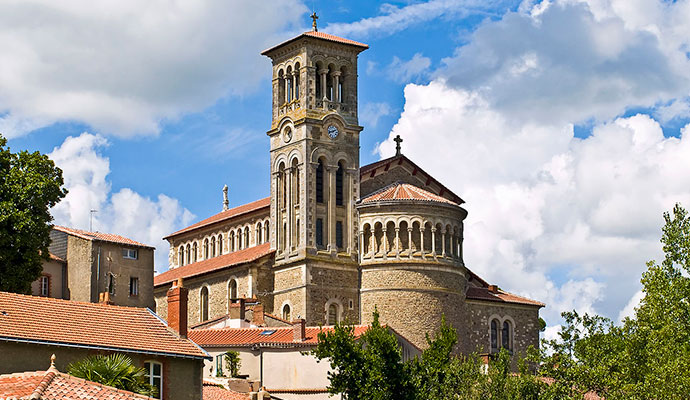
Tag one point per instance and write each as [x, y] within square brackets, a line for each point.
[232, 291]
[180, 256]
[133, 286]
[246, 236]
[319, 182]
[266, 231]
[332, 314]
[319, 232]
[232, 241]
[194, 252]
[220, 245]
[259, 233]
[219, 365]
[111, 283]
[205, 249]
[213, 247]
[203, 303]
[505, 336]
[339, 234]
[339, 175]
[45, 286]
[129, 253]
[154, 371]
[188, 254]
[286, 312]
[351, 304]
[494, 335]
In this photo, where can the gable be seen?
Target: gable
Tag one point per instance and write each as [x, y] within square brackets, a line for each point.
[401, 169]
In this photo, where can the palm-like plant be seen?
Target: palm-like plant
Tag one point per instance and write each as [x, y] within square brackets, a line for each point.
[116, 370]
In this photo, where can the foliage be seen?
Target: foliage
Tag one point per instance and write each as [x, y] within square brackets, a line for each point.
[116, 370]
[233, 362]
[30, 184]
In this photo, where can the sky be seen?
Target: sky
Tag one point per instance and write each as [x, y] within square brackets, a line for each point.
[561, 123]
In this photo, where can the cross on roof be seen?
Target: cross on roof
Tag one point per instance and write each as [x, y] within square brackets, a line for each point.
[397, 141]
[314, 17]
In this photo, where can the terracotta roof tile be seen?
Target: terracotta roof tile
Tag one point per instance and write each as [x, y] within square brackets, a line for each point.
[241, 337]
[104, 237]
[55, 385]
[214, 264]
[482, 293]
[225, 215]
[319, 35]
[56, 258]
[404, 191]
[70, 323]
[215, 392]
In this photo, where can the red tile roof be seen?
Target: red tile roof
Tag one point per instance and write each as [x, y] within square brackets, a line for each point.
[56, 258]
[225, 215]
[404, 191]
[103, 237]
[318, 35]
[214, 264]
[482, 293]
[55, 385]
[243, 337]
[46, 320]
[215, 392]
[385, 164]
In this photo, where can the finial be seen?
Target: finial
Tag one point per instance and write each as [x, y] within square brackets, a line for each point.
[397, 141]
[52, 360]
[314, 17]
[226, 202]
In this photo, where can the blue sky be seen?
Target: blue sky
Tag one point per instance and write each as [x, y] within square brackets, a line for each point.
[559, 121]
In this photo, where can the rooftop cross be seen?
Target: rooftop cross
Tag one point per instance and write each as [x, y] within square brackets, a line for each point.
[397, 141]
[314, 17]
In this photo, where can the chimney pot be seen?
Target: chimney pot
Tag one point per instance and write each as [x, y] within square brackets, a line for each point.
[493, 288]
[237, 309]
[177, 308]
[258, 315]
[299, 330]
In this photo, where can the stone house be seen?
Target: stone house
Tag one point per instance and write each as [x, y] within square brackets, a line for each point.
[34, 328]
[83, 265]
[335, 239]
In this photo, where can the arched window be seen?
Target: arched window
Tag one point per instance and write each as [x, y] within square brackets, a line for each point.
[339, 177]
[505, 336]
[319, 182]
[194, 252]
[332, 314]
[288, 83]
[180, 256]
[266, 231]
[188, 255]
[494, 335]
[220, 244]
[232, 291]
[296, 81]
[286, 312]
[281, 87]
[203, 303]
[213, 247]
[154, 373]
[205, 249]
[232, 241]
[240, 243]
[246, 236]
[259, 233]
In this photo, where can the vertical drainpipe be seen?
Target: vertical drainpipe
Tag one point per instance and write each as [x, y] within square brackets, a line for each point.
[261, 367]
[98, 271]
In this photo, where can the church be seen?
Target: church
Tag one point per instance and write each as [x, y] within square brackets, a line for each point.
[336, 240]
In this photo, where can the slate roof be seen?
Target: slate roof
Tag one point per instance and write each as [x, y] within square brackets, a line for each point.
[404, 191]
[225, 215]
[483, 293]
[103, 237]
[243, 337]
[214, 264]
[53, 384]
[33, 319]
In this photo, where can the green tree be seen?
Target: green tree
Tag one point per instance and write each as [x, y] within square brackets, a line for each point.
[233, 362]
[116, 370]
[30, 184]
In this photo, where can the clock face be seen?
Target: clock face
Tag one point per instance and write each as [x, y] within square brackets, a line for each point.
[333, 132]
[287, 134]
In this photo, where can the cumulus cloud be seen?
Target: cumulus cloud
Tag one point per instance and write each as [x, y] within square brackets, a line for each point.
[123, 67]
[565, 220]
[124, 212]
[372, 112]
[407, 71]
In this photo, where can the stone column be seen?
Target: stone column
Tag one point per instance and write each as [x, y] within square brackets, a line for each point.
[349, 223]
[330, 223]
[397, 242]
[361, 241]
[421, 240]
[384, 239]
[289, 209]
[323, 73]
[433, 242]
[409, 241]
[336, 85]
[443, 243]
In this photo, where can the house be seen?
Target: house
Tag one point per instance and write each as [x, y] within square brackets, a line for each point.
[33, 328]
[84, 264]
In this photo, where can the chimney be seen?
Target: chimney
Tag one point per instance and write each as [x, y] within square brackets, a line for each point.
[104, 298]
[299, 330]
[237, 309]
[259, 315]
[177, 308]
[493, 288]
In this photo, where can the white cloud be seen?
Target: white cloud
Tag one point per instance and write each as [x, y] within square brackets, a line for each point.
[372, 112]
[123, 67]
[629, 310]
[406, 71]
[125, 212]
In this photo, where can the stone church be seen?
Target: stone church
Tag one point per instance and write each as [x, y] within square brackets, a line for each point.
[335, 240]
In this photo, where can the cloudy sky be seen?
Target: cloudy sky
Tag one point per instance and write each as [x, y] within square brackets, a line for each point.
[561, 123]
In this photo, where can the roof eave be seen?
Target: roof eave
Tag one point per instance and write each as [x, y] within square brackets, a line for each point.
[279, 45]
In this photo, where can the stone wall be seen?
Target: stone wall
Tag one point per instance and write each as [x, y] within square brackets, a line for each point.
[524, 319]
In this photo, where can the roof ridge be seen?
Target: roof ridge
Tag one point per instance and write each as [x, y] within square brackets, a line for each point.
[74, 302]
[43, 385]
[113, 388]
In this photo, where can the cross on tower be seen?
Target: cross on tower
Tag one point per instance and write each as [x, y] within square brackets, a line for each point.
[314, 17]
[397, 141]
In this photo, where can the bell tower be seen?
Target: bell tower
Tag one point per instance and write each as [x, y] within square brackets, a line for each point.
[314, 141]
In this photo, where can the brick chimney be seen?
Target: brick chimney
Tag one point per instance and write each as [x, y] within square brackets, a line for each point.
[258, 316]
[177, 308]
[236, 310]
[299, 331]
[493, 288]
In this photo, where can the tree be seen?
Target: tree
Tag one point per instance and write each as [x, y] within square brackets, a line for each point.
[233, 362]
[116, 370]
[30, 184]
